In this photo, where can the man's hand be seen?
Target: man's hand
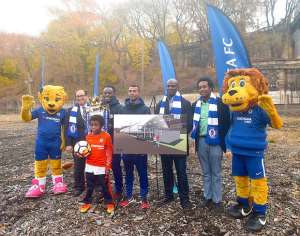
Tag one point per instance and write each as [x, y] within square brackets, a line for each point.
[228, 155]
[69, 148]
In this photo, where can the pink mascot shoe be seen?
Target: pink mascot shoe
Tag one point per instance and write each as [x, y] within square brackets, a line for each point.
[58, 185]
[36, 190]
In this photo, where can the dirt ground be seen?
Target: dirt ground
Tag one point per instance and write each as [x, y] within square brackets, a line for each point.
[59, 215]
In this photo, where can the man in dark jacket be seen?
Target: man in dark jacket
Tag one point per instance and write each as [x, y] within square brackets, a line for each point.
[176, 105]
[210, 125]
[76, 130]
[135, 105]
[114, 107]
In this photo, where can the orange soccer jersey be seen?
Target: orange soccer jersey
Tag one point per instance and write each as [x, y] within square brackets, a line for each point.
[101, 154]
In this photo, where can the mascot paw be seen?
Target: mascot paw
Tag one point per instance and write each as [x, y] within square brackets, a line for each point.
[27, 102]
[266, 103]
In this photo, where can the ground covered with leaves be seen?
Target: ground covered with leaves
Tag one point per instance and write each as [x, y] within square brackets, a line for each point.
[53, 215]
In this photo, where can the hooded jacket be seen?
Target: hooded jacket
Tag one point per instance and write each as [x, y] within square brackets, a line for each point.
[136, 107]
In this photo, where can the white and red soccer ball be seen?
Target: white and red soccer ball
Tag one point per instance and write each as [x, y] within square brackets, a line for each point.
[82, 149]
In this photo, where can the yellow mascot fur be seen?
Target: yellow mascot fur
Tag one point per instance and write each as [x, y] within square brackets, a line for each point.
[49, 138]
[245, 91]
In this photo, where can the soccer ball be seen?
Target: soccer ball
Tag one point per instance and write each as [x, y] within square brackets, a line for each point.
[82, 149]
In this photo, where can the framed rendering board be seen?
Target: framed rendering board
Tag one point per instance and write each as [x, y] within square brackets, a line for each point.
[150, 134]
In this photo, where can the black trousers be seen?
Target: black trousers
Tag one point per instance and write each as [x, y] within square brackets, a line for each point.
[182, 180]
[94, 182]
[79, 175]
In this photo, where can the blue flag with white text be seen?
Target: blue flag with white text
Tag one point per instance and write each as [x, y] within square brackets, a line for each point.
[229, 49]
[96, 77]
[167, 68]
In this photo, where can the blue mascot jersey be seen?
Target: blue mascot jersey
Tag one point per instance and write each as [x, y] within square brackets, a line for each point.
[247, 135]
[49, 126]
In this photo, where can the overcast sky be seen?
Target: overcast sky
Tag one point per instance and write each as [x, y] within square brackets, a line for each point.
[32, 16]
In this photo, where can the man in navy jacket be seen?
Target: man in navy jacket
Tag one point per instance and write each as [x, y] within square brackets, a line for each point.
[134, 104]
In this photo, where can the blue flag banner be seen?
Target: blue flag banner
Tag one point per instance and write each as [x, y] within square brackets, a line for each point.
[167, 68]
[229, 49]
[42, 82]
[96, 77]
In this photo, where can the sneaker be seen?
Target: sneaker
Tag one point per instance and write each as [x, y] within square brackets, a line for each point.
[77, 192]
[59, 186]
[166, 201]
[218, 207]
[85, 208]
[256, 222]
[187, 205]
[237, 211]
[205, 203]
[110, 208]
[144, 205]
[36, 190]
[127, 202]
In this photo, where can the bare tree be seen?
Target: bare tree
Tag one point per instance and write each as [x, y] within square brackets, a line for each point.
[269, 6]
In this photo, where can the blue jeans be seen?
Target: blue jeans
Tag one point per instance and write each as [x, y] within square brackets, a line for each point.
[210, 157]
[182, 180]
[140, 162]
[117, 171]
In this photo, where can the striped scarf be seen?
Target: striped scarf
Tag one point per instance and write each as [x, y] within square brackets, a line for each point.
[106, 119]
[176, 106]
[72, 129]
[212, 136]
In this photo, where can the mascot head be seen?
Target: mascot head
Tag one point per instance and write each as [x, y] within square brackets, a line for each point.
[52, 98]
[242, 87]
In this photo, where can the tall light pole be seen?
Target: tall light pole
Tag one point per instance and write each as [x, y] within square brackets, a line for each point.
[142, 71]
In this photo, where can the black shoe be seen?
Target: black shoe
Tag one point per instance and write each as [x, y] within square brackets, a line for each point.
[166, 201]
[238, 211]
[77, 192]
[205, 203]
[187, 205]
[218, 207]
[256, 222]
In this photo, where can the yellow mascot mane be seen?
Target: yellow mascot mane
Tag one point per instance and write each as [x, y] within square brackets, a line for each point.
[245, 88]
[242, 87]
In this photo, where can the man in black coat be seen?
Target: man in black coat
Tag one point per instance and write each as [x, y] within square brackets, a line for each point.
[169, 105]
[114, 107]
[76, 130]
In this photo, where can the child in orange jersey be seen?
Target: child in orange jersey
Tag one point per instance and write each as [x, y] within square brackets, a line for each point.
[98, 163]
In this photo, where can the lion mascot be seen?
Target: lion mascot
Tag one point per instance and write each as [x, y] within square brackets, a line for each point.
[49, 138]
[245, 92]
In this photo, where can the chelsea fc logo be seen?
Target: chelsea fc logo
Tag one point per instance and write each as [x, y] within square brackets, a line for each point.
[212, 133]
[73, 129]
